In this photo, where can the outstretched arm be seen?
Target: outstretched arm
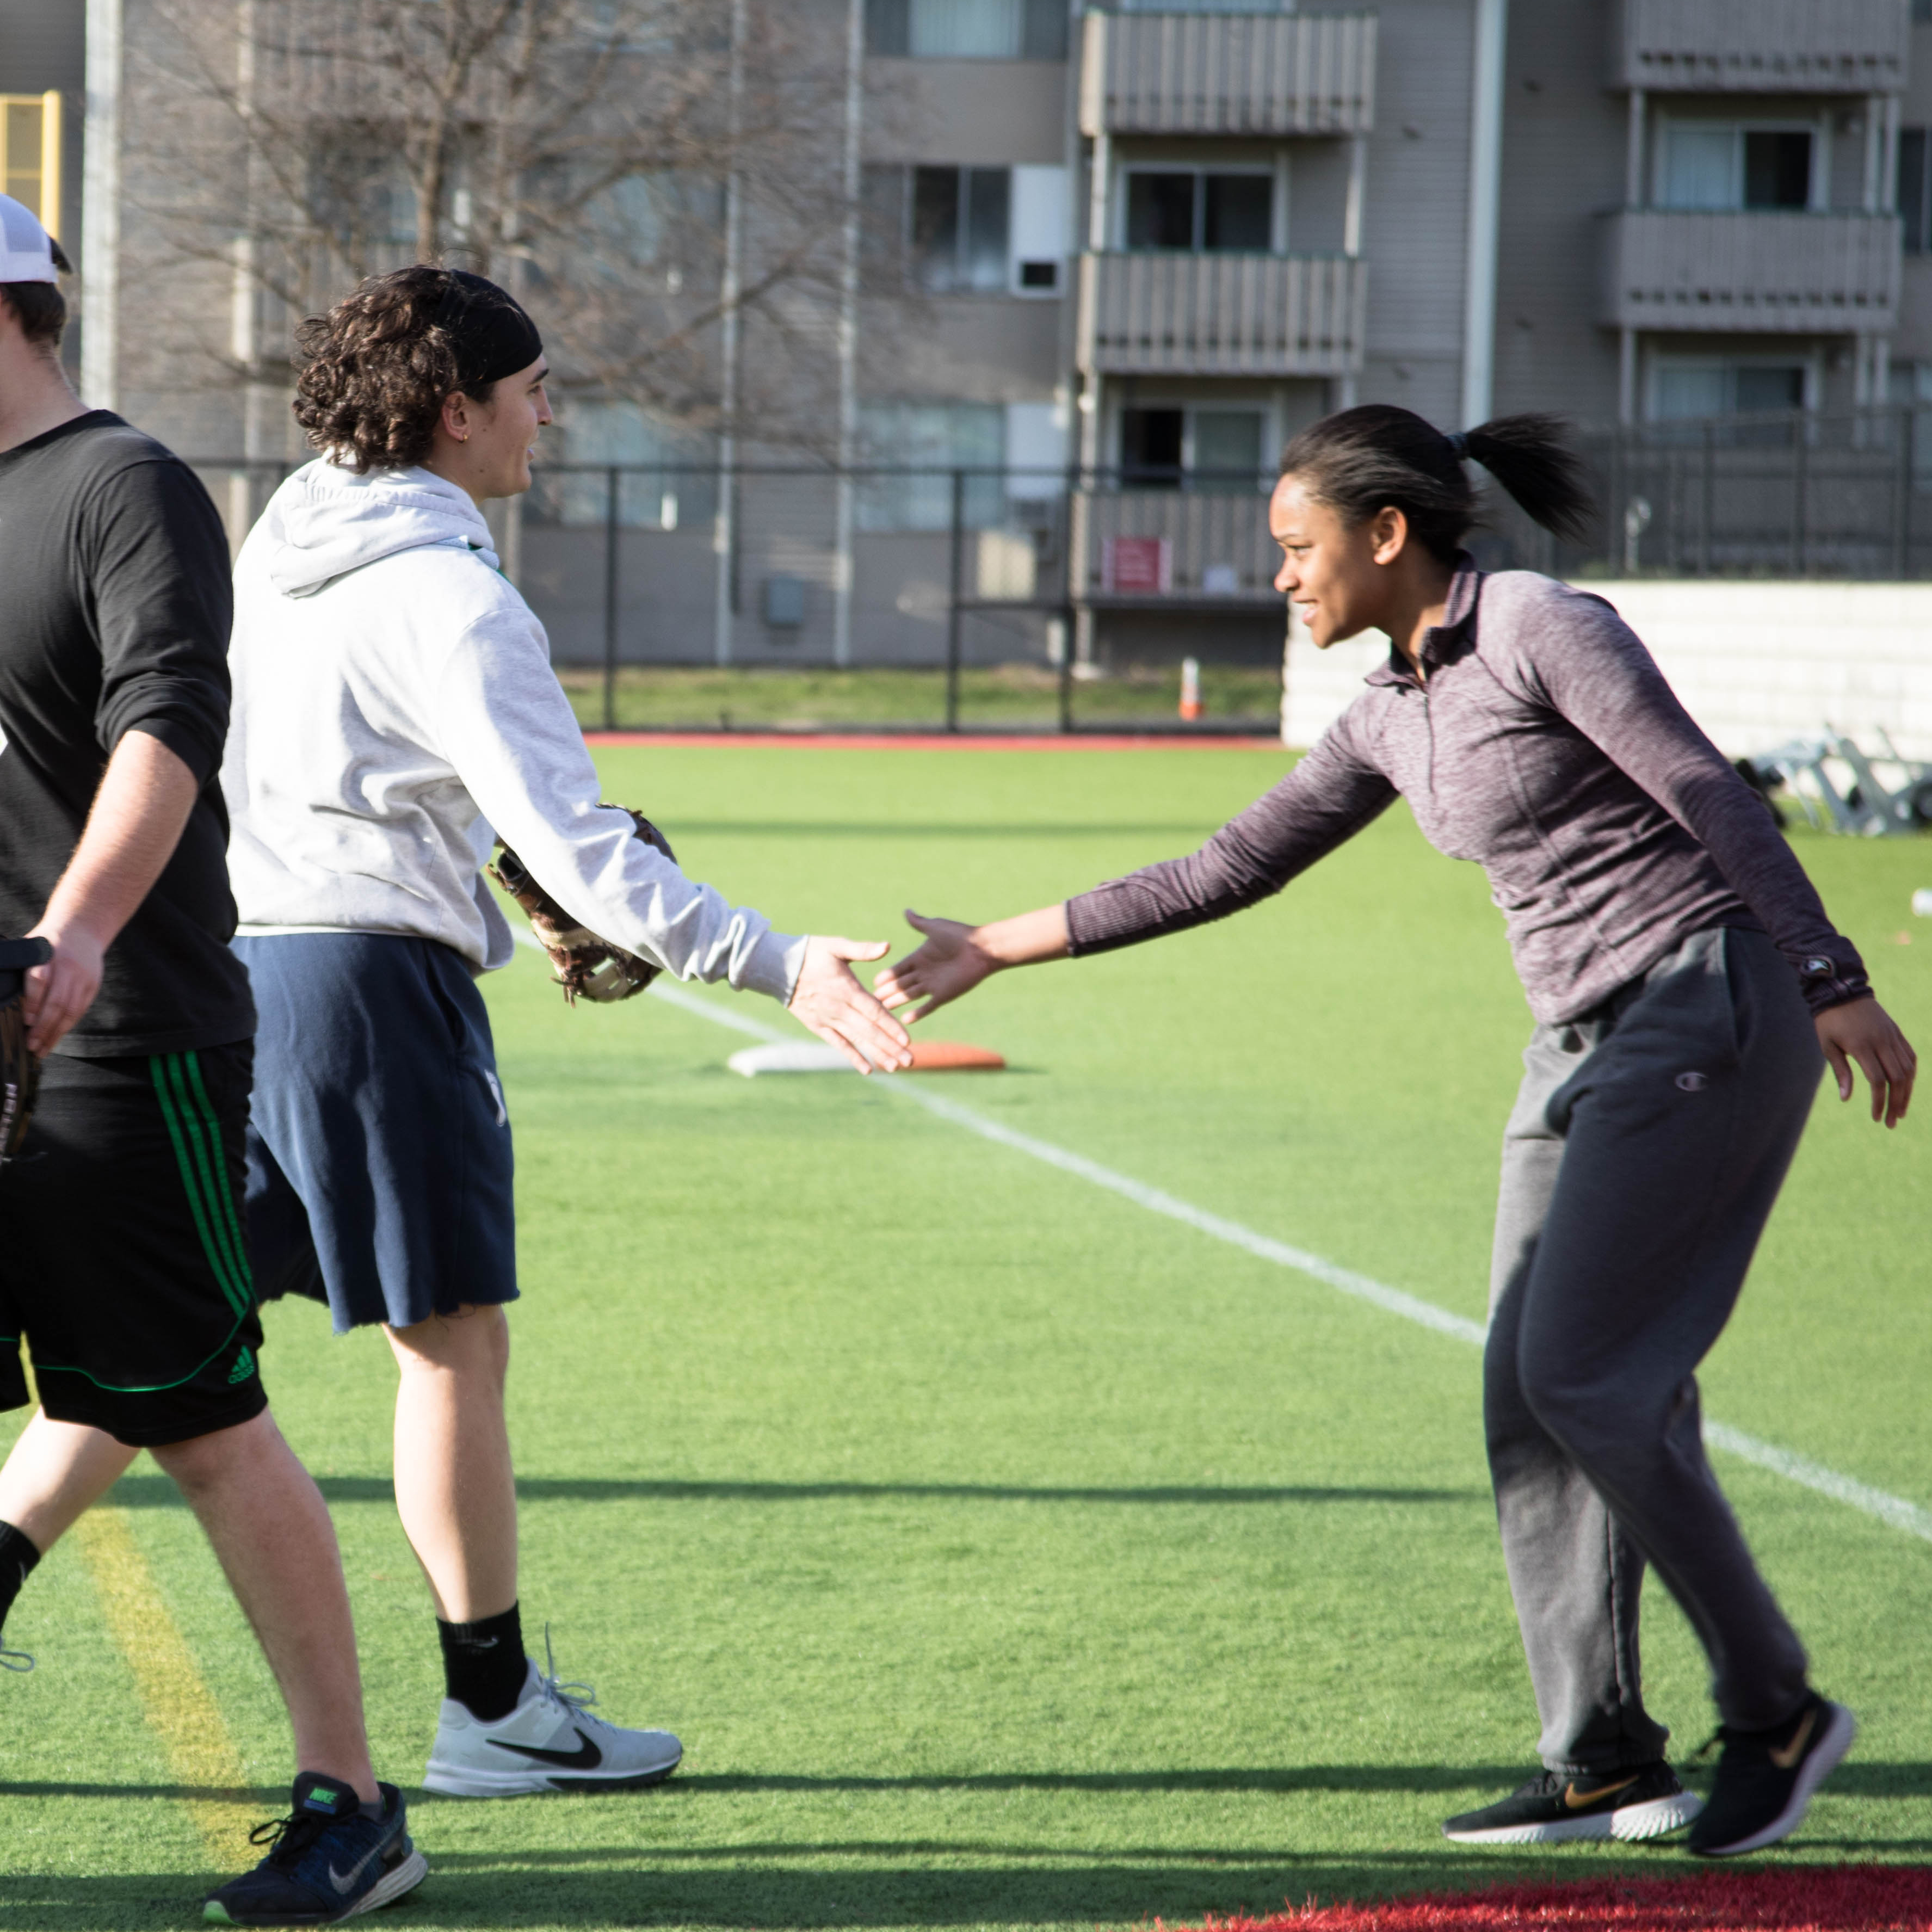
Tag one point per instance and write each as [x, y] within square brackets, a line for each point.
[956, 957]
[1328, 797]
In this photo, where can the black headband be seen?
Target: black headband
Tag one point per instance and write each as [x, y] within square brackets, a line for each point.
[1458, 441]
[492, 336]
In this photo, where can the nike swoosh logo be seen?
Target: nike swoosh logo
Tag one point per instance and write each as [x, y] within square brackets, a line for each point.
[588, 1759]
[1786, 1759]
[1572, 1802]
[345, 1881]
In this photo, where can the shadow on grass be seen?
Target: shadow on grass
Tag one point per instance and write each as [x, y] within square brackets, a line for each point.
[156, 1491]
[1869, 1780]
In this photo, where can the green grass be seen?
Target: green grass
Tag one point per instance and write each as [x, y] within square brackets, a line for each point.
[1013, 697]
[1007, 1555]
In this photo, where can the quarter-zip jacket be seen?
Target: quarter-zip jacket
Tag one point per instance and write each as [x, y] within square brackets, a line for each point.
[1543, 744]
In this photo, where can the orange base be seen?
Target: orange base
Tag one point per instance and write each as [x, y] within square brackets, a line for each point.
[949, 1056]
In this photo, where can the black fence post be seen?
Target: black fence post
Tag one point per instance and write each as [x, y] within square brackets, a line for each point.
[1801, 508]
[611, 598]
[952, 614]
[1710, 495]
[1901, 496]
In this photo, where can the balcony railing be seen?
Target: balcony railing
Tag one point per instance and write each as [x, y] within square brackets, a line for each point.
[1751, 273]
[1166, 547]
[1228, 73]
[1761, 46]
[1222, 314]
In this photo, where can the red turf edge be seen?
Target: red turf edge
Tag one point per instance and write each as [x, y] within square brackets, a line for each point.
[1791, 1898]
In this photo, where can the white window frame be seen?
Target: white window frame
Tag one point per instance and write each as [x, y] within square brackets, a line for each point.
[1276, 171]
[1819, 129]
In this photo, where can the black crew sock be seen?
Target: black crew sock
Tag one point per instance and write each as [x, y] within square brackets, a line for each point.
[17, 1558]
[484, 1667]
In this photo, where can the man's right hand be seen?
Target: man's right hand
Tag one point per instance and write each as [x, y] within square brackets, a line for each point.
[831, 1001]
[56, 996]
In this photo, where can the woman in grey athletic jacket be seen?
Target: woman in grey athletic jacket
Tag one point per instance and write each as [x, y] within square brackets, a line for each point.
[1683, 977]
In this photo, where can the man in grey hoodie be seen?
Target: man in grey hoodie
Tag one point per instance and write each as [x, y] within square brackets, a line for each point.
[395, 712]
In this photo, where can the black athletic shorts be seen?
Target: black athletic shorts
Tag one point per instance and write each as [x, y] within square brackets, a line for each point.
[123, 1263]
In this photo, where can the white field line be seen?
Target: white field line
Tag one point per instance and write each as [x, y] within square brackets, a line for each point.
[1895, 1511]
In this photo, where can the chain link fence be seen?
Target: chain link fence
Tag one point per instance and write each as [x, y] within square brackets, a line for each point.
[688, 596]
[1801, 494]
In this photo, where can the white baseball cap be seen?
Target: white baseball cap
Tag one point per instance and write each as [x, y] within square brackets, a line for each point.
[28, 253]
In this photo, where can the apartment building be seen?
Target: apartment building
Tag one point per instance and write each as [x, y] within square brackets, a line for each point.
[1098, 262]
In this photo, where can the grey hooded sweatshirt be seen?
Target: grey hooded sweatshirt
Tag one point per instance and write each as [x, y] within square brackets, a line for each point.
[395, 711]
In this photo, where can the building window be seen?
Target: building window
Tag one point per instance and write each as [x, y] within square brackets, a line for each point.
[667, 479]
[1194, 208]
[1180, 446]
[961, 220]
[1914, 187]
[970, 231]
[967, 29]
[921, 445]
[1694, 389]
[1718, 165]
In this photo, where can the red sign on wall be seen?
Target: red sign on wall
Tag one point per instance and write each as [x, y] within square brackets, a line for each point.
[1136, 566]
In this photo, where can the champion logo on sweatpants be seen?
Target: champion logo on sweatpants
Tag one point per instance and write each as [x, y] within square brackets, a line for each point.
[1693, 1083]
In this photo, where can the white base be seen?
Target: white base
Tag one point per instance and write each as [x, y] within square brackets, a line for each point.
[801, 1056]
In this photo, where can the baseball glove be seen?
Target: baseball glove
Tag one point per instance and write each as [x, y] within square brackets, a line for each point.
[584, 963]
[20, 1070]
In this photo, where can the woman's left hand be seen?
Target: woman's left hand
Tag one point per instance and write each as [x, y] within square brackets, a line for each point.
[1862, 1030]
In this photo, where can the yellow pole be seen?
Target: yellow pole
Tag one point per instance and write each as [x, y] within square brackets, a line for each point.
[50, 162]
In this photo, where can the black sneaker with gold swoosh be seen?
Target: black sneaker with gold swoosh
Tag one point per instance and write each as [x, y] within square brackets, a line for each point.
[1642, 1800]
[1765, 1779]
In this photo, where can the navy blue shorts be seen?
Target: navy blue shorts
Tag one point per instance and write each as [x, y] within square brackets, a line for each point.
[379, 1164]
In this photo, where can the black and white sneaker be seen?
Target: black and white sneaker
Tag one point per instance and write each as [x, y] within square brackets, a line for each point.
[1643, 1801]
[1766, 1778]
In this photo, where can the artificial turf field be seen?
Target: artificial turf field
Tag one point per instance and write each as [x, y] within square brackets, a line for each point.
[1006, 1554]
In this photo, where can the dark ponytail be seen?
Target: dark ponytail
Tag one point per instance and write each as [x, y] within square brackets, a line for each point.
[1378, 457]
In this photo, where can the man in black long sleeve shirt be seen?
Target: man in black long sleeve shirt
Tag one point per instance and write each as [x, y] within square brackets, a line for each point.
[122, 1259]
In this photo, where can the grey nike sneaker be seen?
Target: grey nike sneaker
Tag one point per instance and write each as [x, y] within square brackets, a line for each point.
[550, 1742]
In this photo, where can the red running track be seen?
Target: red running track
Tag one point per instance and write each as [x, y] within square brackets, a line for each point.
[882, 741]
[1790, 1898]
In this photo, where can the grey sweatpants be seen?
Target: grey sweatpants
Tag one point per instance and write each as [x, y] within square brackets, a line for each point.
[1647, 1144]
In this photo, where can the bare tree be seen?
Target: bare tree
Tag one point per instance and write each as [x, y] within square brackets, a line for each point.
[636, 170]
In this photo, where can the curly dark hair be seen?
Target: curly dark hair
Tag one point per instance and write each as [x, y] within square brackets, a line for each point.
[378, 368]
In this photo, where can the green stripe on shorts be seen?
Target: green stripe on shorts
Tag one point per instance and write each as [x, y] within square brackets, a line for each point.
[187, 1133]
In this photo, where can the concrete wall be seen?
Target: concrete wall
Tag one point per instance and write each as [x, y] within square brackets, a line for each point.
[1754, 663]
